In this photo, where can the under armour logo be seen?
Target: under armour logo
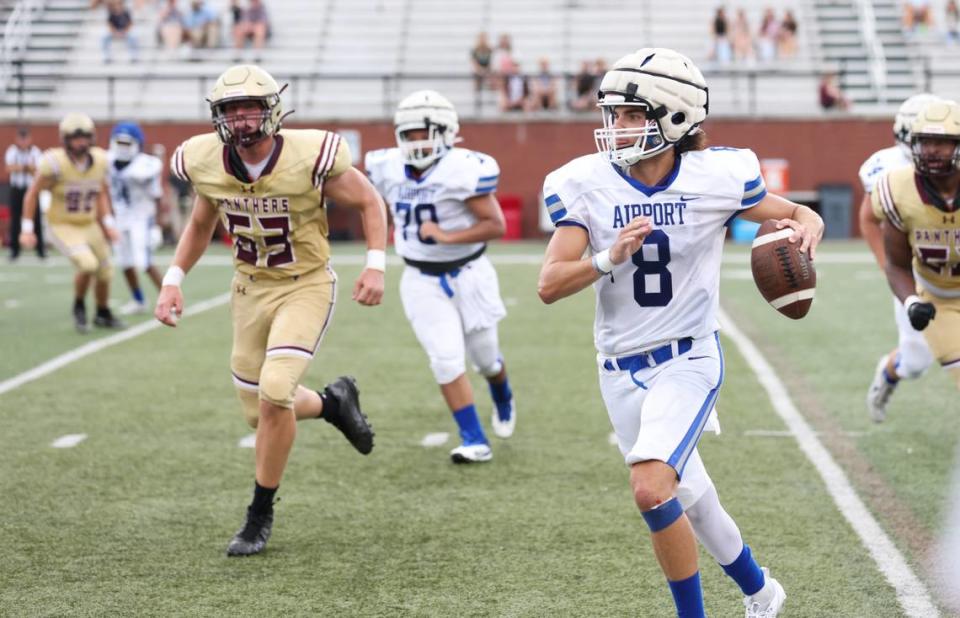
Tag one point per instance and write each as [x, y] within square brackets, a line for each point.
[950, 219]
[244, 189]
[241, 290]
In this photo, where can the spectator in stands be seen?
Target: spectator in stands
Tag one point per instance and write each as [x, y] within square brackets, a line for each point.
[254, 26]
[831, 96]
[119, 26]
[916, 13]
[502, 60]
[514, 90]
[203, 25]
[21, 160]
[952, 21]
[722, 50]
[787, 36]
[170, 24]
[544, 88]
[742, 39]
[767, 38]
[584, 93]
[480, 57]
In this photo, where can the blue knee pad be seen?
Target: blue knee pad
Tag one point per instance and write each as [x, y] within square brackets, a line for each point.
[661, 517]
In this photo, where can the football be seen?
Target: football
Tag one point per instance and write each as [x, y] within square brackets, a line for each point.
[785, 276]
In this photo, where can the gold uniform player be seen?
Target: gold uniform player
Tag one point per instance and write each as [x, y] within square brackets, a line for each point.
[268, 187]
[921, 231]
[79, 215]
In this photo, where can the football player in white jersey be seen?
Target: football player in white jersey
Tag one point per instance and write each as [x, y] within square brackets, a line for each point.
[136, 191]
[444, 212]
[652, 208]
[911, 358]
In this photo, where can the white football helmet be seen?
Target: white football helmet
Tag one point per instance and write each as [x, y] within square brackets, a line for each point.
[430, 110]
[906, 114]
[937, 120]
[668, 86]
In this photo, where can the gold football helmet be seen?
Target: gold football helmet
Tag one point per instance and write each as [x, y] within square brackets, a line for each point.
[934, 129]
[241, 83]
[76, 123]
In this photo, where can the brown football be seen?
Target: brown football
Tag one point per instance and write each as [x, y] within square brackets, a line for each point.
[783, 274]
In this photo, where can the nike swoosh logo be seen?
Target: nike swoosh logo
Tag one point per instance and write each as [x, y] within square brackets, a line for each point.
[696, 357]
[684, 198]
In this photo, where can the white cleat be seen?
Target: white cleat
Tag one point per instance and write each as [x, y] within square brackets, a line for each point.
[132, 308]
[504, 429]
[473, 453]
[772, 608]
[879, 393]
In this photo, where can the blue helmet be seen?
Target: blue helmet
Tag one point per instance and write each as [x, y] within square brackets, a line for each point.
[126, 140]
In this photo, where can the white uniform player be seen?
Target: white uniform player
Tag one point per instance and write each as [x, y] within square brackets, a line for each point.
[135, 189]
[651, 209]
[441, 198]
[912, 357]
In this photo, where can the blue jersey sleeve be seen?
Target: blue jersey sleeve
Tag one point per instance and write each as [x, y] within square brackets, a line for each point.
[560, 201]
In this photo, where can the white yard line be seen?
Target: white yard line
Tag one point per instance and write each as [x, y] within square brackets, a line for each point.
[69, 441]
[911, 593]
[435, 439]
[248, 441]
[87, 349]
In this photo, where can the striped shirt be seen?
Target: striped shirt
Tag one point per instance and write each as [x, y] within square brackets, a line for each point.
[17, 156]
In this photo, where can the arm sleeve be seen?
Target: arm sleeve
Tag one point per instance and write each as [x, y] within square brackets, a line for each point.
[333, 158]
[561, 203]
[883, 205]
[477, 174]
[178, 163]
[747, 172]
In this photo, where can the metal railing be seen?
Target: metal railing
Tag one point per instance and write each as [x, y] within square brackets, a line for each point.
[16, 33]
[739, 88]
[876, 56]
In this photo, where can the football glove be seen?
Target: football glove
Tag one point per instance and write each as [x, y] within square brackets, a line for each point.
[920, 313]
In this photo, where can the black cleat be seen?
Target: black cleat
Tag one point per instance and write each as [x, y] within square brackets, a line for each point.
[105, 319]
[252, 538]
[349, 419]
[80, 319]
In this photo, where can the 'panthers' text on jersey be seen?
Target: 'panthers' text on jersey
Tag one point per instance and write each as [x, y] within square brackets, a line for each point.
[881, 162]
[931, 225]
[278, 221]
[135, 186]
[439, 195]
[670, 287]
[76, 192]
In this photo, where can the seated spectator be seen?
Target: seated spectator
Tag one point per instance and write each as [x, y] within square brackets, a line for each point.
[952, 21]
[787, 36]
[768, 35]
[480, 57]
[831, 97]
[170, 26]
[502, 60]
[722, 50]
[742, 39]
[254, 26]
[119, 26]
[544, 88]
[584, 93]
[515, 90]
[916, 13]
[203, 25]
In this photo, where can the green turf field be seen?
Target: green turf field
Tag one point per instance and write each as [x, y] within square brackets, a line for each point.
[135, 519]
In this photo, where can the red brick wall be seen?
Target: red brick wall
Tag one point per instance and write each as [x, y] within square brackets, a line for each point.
[819, 151]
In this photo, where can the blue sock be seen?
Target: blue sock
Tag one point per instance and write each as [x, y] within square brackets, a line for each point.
[502, 396]
[746, 572]
[688, 597]
[470, 430]
[138, 295]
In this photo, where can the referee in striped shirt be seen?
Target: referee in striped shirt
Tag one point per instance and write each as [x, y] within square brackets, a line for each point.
[21, 161]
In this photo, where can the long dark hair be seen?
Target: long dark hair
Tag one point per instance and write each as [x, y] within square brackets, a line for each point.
[692, 141]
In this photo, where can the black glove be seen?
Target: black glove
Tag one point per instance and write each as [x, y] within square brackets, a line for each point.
[920, 314]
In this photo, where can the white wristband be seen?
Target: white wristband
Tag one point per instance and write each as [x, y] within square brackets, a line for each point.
[377, 260]
[602, 263]
[174, 276]
[911, 300]
[26, 226]
[109, 221]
